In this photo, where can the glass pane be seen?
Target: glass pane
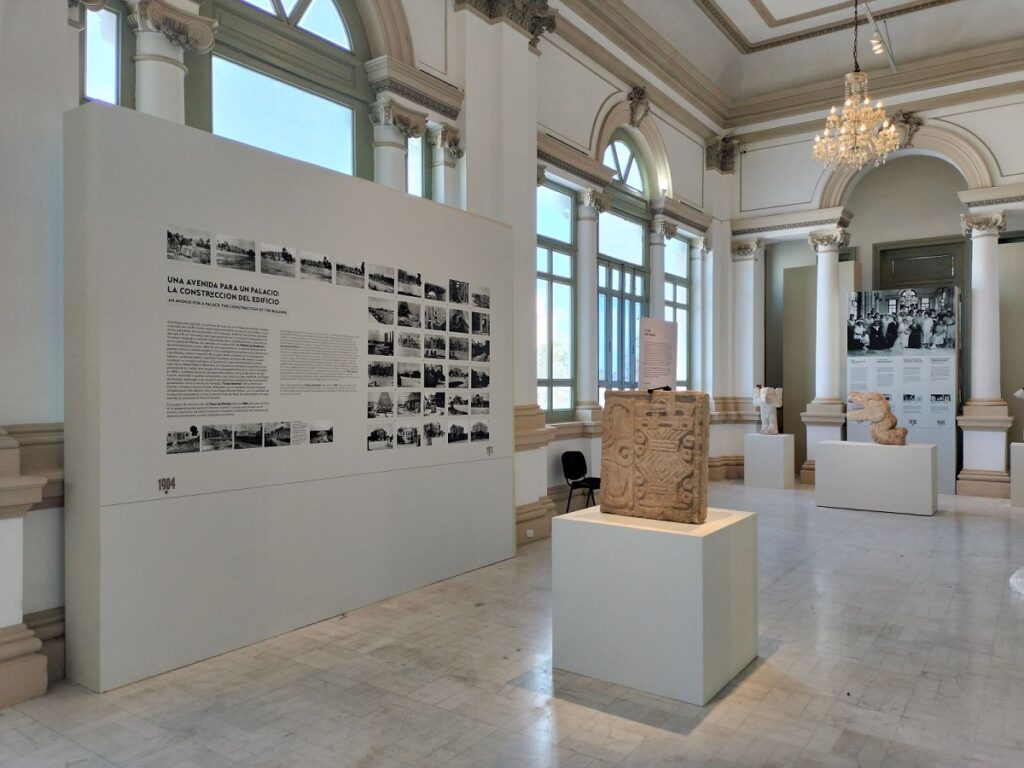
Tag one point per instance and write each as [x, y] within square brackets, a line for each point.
[101, 56]
[635, 351]
[561, 264]
[669, 291]
[561, 398]
[542, 260]
[289, 6]
[263, 5]
[638, 285]
[414, 166]
[259, 110]
[682, 294]
[561, 327]
[602, 276]
[627, 358]
[615, 283]
[554, 214]
[682, 345]
[542, 398]
[609, 158]
[677, 257]
[323, 20]
[616, 322]
[633, 178]
[621, 238]
[669, 314]
[627, 282]
[602, 337]
[543, 329]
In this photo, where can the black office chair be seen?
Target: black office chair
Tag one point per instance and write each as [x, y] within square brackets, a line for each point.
[574, 467]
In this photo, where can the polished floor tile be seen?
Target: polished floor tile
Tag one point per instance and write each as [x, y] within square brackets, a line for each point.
[885, 640]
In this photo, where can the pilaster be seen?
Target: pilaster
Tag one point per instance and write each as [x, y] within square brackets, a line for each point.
[660, 230]
[748, 317]
[444, 153]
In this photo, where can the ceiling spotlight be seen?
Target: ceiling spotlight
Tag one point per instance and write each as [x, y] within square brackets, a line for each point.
[877, 45]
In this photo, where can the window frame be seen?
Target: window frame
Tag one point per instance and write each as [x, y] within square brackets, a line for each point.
[125, 54]
[554, 245]
[677, 281]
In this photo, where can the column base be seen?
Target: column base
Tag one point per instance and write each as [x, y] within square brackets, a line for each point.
[22, 667]
[992, 484]
[807, 474]
[824, 419]
[985, 425]
[535, 516]
[589, 412]
[48, 626]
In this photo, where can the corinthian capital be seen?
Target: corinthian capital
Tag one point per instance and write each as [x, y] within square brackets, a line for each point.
[663, 227]
[446, 137]
[592, 198]
[829, 239]
[983, 223]
[533, 17]
[385, 111]
[186, 30]
[744, 250]
[702, 244]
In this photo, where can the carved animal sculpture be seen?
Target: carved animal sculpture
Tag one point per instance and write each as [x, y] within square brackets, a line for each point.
[768, 400]
[873, 408]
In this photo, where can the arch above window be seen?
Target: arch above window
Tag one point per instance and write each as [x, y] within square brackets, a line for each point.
[322, 18]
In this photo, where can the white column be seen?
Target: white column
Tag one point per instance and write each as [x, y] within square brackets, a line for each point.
[591, 204]
[986, 419]
[164, 30]
[748, 318]
[660, 229]
[444, 153]
[392, 123]
[717, 302]
[698, 251]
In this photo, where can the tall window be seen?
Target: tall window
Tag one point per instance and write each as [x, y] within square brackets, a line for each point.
[107, 49]
[677, 303]
[556, 276]
[414, 167]
[621, 299]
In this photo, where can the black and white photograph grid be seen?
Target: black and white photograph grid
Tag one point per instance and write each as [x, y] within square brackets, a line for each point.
[380, 342]
[409, 313]
[480, 403]
[458, 348]
[481, 324]
[277, 433]
[380, 404]
[315, 266]
[277, 260]
[435, 290]
[458, 431]
[248, 436]
[321, 432]
[434, 432]
[407, 435]
[435, 318]
[410, 403]
[381, 374]
[458, 292]
[433, 375]
[184, 441]
[481, 297]
[217, 437]
[380, 436]
[481, 351]
[434, 403]
[410, 283]
[480, 432]
[350, 275]
[236, 253]
[381, 310]
[380, 278]
[188, 245]
[435, 345]
[410, 344]
[409, 375]
[458, 404]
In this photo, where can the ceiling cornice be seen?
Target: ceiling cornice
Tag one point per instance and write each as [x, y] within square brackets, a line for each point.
[735, 36]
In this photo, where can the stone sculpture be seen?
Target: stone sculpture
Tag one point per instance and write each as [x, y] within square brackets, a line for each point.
[654, 455]
[768, 400]
[873, 408]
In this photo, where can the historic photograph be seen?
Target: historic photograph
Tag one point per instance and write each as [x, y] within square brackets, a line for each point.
[433, 375]
[458, 321]
[350, 275]
[410, 375]
[277, 433]
[942, 398]
[435, 345]
[458, 376]
[407, 435]
[409, 313]
[480, 431]
[188, 245]
[458, 404]
[248, 436]
[480, 403]
[410, 403]
[481, 350]
[409, 344]
[380, 405]
[433, 433]
[481, 324]
[381, 310]
[380, 278]
[482, 297]
[183, 442]
[321, 432]
[434, 403]
[315, 266]
[380, 341]
[458, 431]
[380, 436]
[916, 321]
[435, 290]
[381, 374]
[277, 260]
[480, 378]
[217, 437]
[410, 283]
[458, 348]
[435, 318]
[235, 253]
[458, 292]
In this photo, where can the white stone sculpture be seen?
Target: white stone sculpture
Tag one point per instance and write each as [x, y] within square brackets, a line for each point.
[768, 400]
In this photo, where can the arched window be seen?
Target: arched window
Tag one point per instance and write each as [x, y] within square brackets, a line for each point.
[620, 157]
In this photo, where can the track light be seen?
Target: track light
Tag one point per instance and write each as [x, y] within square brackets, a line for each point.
[877, 45]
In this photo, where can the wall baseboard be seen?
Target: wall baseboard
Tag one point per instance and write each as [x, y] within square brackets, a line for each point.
[48, 626]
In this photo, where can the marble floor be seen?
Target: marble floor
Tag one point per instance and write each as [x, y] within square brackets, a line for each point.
[885, 640]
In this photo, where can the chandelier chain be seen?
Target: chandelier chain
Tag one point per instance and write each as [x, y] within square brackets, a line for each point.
[856, 30]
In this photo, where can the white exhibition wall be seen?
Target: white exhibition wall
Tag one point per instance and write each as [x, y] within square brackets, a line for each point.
[176, 552]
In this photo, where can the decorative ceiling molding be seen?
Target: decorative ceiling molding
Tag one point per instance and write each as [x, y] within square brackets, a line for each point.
[583, 167]
[735, 36]
[186, 30]
[388, 74]
[792, 224]
[534, 17]
[679, 212]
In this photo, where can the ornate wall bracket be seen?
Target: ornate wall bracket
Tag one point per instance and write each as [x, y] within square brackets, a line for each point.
[639, 105]
[983, 223]
[188, 31]
[828, 240]
[745, 250]
[721, 155]
[534, 17]
[385, 111]
[907, 124]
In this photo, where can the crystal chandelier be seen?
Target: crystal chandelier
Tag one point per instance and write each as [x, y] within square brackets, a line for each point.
[860, 133]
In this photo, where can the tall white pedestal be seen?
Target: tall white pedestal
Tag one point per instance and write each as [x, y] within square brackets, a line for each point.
[768, 460]
[1017, 474]
[880, 478]
[666, 608]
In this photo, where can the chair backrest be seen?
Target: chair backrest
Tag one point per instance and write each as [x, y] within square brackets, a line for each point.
[574, 465]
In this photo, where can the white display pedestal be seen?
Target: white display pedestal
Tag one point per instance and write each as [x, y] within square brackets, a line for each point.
[666, 608]
[768, 460]
[1017, 474]
[880, 478]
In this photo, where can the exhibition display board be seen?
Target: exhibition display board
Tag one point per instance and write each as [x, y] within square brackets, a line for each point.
[288, 394]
